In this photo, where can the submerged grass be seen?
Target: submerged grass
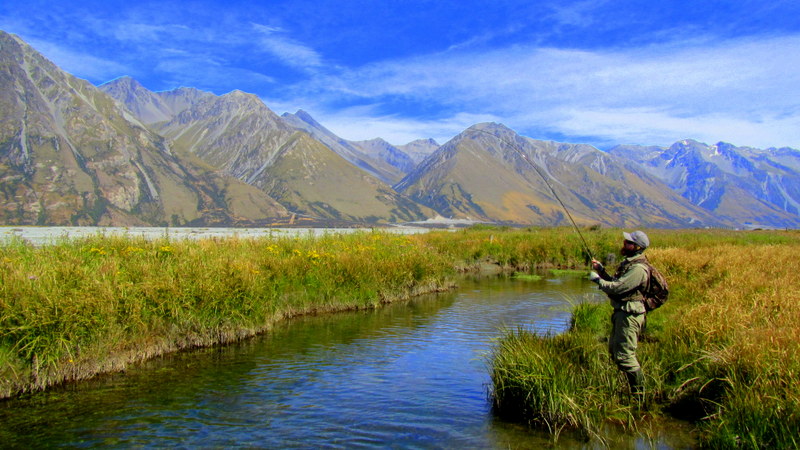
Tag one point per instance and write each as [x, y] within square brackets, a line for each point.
[527, 277]
[724, 351]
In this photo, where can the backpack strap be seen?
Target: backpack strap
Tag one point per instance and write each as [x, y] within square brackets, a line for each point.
[649, 269]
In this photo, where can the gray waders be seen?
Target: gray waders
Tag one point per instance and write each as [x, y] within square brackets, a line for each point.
[626, 328]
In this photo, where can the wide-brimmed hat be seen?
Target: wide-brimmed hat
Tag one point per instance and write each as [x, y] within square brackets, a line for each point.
[638, 238]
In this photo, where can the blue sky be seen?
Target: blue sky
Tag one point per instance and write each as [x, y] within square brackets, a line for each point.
[598, 72]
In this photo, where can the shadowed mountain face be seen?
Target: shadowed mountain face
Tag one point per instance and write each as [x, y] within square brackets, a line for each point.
[70, 155]
[384, 162]
[490, 173]
[419, 149]
[742, 185]
[380, 150]
[152, 107]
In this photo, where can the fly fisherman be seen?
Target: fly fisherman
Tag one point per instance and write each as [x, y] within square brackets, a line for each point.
[624, 290]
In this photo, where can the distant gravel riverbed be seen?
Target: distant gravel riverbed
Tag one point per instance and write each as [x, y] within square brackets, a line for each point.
[50, 235]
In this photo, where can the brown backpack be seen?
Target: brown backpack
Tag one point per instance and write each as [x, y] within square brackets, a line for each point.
[656, 292]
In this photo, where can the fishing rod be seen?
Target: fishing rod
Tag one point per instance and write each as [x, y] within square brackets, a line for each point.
[546, 181]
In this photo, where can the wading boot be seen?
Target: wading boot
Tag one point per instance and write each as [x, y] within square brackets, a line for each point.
[636, 382]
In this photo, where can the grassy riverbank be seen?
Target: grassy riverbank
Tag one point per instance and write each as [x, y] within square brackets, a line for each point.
[724, 352]
[75, 309]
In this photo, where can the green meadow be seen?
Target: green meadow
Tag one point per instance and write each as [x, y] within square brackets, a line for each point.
[722, 353]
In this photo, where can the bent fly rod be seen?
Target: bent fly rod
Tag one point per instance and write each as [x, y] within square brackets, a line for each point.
[522, 154]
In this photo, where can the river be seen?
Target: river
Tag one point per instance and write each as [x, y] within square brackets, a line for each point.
[409, 375]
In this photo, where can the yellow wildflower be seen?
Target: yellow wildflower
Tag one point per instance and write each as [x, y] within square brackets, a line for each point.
[130, 249]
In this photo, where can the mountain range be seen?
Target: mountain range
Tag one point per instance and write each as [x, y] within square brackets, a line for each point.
[72, 153]
[739, 185]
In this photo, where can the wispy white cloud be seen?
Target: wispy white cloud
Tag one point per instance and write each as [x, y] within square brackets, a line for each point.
[576, 14]
[739, 91]
[142, 32]
[170, 44]
[289, 51]
[83, 64]
[183, 71]
[643, 126]
[399, 130]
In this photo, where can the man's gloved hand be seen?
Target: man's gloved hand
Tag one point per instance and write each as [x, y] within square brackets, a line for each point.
[597, 265]
[594, 277]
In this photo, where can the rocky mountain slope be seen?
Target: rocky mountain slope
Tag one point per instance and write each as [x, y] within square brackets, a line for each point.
[310, 178]
[152, 107]
[70, 155]
[380, 150]
[490, 173]
[238, 134]
[355, 154]
[235, 133]
[419, 149]
[748, 187]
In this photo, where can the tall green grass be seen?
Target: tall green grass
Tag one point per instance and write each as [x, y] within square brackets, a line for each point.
[724, 352]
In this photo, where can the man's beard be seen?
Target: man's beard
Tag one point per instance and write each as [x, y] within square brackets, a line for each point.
[628, 253]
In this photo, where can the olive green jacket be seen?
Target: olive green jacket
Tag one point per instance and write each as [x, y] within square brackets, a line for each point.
[624, 289]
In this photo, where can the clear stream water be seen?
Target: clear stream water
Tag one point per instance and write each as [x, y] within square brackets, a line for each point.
[410, 375]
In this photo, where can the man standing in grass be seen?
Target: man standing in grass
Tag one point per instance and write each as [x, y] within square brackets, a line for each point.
[624, 290]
